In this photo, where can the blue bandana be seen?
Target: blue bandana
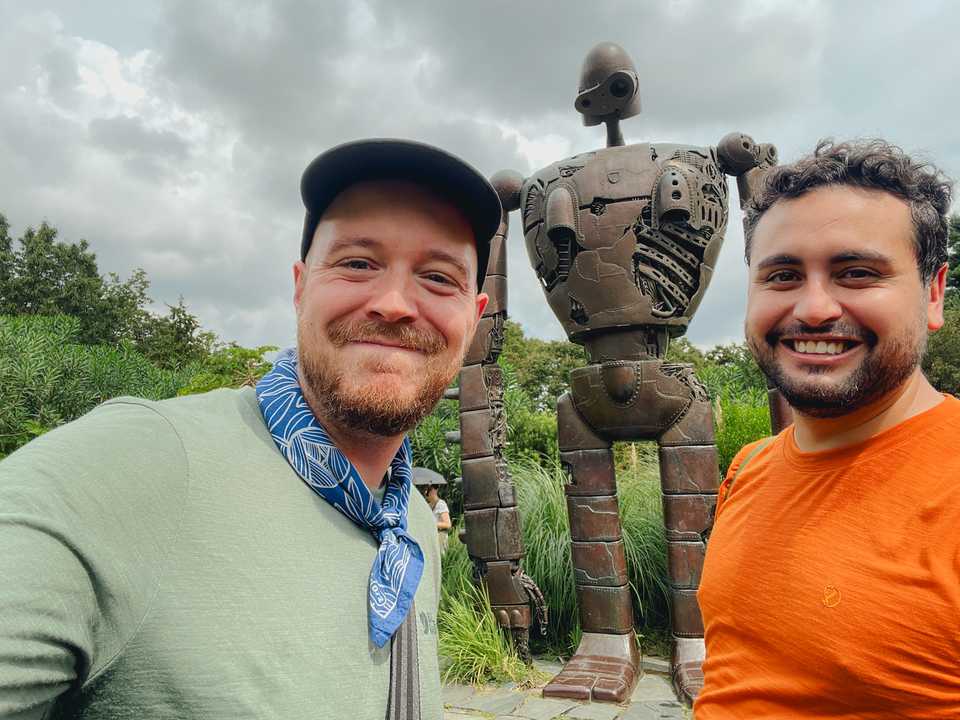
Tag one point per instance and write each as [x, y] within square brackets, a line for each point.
[311, 453]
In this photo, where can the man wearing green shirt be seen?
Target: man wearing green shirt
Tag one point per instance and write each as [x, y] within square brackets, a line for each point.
[259, 553]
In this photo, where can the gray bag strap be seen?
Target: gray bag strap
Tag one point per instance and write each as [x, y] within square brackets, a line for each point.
[750, 455]
[403, 702]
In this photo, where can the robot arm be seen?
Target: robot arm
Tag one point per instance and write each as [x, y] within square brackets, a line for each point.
[746, 160]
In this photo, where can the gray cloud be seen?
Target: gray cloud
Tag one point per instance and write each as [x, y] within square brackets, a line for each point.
[128, 136]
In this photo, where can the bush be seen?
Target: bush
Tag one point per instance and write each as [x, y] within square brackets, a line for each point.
[48, 379]
[738, 423]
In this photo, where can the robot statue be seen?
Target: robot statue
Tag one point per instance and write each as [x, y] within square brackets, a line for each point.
[624, 241]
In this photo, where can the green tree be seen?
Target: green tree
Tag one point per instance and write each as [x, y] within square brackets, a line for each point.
[230, 366]
[541, 368]
[40, 275]
[941, 364]
[174, 340]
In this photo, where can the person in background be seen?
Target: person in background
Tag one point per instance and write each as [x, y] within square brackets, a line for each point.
[429, 482]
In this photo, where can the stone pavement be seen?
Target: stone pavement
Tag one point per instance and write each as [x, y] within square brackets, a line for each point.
[653, 699]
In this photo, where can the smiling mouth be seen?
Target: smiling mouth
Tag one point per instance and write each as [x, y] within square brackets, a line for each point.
[820, 347]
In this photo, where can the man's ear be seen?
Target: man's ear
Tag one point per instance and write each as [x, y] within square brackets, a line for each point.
[935, 294]
[482, 300]
[299, 280]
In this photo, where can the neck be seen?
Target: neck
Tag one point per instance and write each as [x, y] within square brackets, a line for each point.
[370, 454]
[914, 396]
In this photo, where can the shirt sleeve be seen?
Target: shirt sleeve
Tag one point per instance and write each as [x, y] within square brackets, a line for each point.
[78, 563]
[440, 508]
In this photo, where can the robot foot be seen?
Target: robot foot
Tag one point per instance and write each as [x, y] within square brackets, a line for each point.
[687, 668]
[604, 668]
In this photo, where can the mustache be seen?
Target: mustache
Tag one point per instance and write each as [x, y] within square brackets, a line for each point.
[409, 337]
[837, 327]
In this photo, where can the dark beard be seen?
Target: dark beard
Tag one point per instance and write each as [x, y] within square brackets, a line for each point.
[882, 371]
[375, 412]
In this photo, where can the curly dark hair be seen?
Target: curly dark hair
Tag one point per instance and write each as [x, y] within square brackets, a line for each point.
[873, 164]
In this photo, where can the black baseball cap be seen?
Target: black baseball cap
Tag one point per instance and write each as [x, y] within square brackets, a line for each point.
[335, 170]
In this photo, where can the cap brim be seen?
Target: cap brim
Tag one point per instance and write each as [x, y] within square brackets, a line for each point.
[335, 170]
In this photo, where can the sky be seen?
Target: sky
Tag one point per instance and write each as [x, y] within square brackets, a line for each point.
[172, 135]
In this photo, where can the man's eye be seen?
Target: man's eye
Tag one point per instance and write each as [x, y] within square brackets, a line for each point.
[438, 278]
[857, 274]
[782, 276]
[356, 264]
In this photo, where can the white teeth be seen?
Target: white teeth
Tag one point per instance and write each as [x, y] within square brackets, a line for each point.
[819, 347]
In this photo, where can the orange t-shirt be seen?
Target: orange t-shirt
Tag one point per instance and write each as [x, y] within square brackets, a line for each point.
[831, 587]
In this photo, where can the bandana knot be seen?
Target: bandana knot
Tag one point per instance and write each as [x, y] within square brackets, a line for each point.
[308, 449]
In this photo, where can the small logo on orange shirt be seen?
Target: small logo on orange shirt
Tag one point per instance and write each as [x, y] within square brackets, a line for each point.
[831, 596]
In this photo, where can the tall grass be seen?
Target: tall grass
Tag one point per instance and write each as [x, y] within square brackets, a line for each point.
[546, 535]
[473, 648]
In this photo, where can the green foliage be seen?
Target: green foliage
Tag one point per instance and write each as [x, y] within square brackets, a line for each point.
[953, 254]
[531, 431]
[730, 370]
[471, 646]
[542, 367]
[39, 275]
[682, 350]
[229, 366]
[738, 423]
[49, 379]
[174, 340]
[942, 360]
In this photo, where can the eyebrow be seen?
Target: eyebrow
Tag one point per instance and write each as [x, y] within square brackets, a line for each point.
[858, 255]
[372, 244]
[778, 260]
[843, 257]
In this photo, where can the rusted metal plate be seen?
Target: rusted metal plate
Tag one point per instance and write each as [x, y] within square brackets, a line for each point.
[687, 621]
[689, 469]
[572, 432]
[605, 609]
[509, 537]
[599, 563]
[688, 518]
[685, 564]
[475, 440]
[590, 472]
[481, 526]
[694, 428]
[504, 587]
[474, 394]
[481, 483]
[594, 518]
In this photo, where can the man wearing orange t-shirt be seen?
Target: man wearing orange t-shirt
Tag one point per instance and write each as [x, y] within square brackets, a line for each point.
[831, 586]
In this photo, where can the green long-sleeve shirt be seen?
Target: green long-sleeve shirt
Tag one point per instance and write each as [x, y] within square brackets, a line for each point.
[162, 560]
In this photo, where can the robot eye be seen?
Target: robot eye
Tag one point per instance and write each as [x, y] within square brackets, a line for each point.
[620, 88]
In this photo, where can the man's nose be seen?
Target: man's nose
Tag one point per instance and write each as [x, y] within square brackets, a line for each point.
[816, 305]
[394, 298]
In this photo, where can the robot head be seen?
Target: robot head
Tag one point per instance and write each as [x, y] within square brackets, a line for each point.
[609, 87]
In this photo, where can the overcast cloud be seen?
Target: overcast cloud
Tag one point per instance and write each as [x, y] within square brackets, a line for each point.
[172, 135]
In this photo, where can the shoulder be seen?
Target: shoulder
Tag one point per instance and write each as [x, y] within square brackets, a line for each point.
[441, 507]
[746, 455]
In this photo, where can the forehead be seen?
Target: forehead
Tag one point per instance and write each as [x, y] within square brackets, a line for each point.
[832, 219]
[382, 209]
